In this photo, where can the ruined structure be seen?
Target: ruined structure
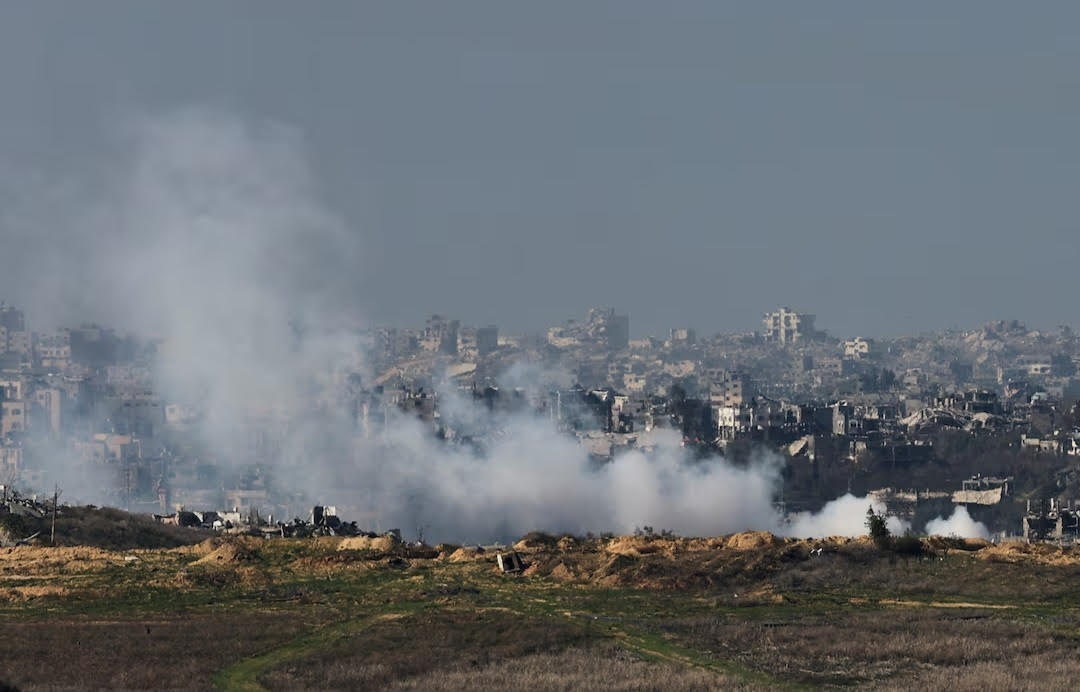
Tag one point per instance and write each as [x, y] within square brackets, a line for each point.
[1050, 521]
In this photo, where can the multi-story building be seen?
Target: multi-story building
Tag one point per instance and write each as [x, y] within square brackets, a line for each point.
[14, 337]
[682, 336]
[617, 331]
[49, 406]
[440, 335]
[53, 351]
[787, 327]
[487, 340]
[727, 388]
[11, 461]
[12, 388]
[12, 417]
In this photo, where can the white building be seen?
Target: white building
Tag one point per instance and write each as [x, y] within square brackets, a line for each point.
[858, 348]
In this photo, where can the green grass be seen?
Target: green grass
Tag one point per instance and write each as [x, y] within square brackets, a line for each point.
[343, 603]
[244, 675]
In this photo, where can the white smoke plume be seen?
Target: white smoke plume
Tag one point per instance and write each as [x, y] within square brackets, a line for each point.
[536, 479]
[844, 516]
[960, 524]
[533, 478]
[205, 235]
[209, 236]
[215, 242]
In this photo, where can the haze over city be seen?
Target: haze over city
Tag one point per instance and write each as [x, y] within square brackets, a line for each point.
[891, 168]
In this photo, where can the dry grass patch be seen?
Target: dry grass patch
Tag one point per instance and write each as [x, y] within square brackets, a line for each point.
[136, 654]
[896, 645]
[599, 667]
[388, 652]
[1046, 672]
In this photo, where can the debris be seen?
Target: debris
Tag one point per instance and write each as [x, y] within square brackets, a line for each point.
[510, 562]
[324, 522]
[23, 506]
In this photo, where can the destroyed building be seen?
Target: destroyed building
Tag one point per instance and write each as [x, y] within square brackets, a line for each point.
[1051, 521]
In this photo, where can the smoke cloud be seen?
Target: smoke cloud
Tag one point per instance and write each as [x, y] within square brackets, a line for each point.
[960, 524]
[535, 478]
[844, 516]
[209, 236]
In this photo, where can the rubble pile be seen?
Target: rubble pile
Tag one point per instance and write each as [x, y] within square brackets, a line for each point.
[20, 506]
[323, 521]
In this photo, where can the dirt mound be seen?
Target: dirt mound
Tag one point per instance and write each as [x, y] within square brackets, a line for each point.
[636, 546]
[383, 544]
[466, 554]
[567, 543]
[752, 540]
[1032, 553]
[27, 560]
[663, 562]
[445, 550]
[562, 573]
[536, 541]
[699, 544]
[615, 571]
[231, 553]
[201, 549]
[953, 543]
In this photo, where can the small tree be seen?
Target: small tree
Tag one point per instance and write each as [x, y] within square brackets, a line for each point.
[878, 528]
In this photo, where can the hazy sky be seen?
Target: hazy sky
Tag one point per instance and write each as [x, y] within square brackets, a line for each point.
[890, 166]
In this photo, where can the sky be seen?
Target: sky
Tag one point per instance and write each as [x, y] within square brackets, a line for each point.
[891, 167]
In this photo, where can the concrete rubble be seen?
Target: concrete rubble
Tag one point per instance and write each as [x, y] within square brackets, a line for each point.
[322, 521]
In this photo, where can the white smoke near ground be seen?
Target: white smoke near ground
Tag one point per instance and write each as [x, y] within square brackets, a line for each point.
[844, 516]
[534, 478]
[959, 524]
[529, 476]
[209, 236]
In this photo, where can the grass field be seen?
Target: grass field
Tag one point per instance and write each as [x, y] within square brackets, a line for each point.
[747, 612]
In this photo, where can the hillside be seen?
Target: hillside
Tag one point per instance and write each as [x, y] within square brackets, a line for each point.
[98, 527]
[748, 611]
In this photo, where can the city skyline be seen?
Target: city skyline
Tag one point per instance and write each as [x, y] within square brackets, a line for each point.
[892, 169]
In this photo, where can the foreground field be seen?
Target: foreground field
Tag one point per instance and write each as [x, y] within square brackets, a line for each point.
[748, 611]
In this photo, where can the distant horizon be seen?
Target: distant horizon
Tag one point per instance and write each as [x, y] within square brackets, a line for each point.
[509, 330]
[895, 169]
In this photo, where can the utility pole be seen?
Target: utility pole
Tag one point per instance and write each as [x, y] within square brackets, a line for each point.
[55, 499]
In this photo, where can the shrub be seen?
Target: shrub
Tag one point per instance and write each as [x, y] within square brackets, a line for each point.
[878, 529]
[909, 544]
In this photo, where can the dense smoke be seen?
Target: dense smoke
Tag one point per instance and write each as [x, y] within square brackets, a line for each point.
[844, 516]
[205, 237]
[534, 478]
[214, 242]
[209, 238]
[959, 524]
